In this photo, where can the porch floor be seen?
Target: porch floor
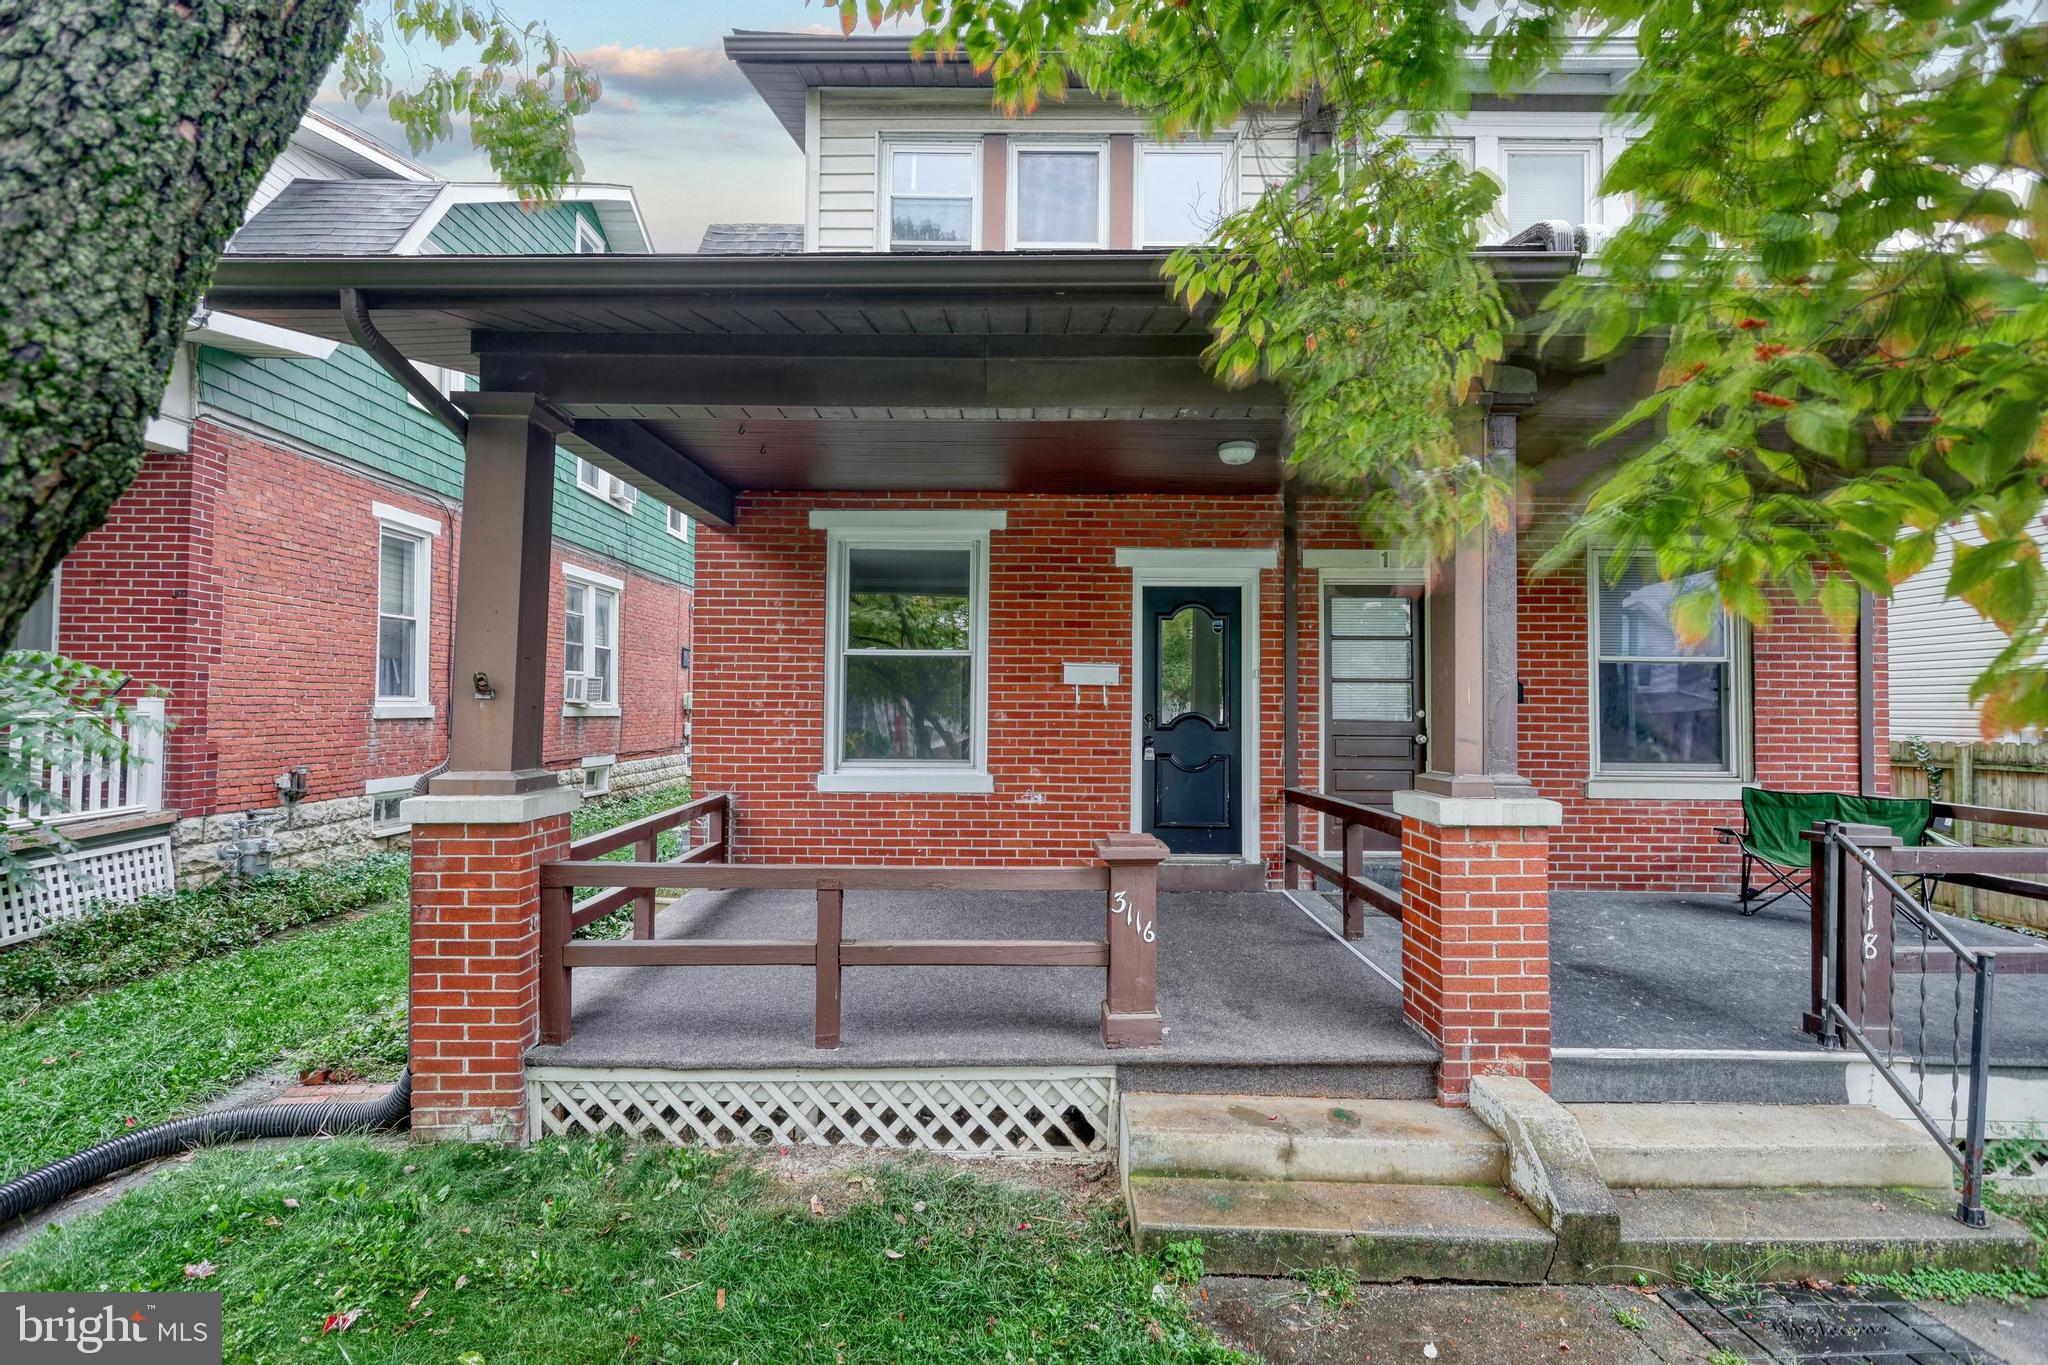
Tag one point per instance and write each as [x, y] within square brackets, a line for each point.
[1254, 994]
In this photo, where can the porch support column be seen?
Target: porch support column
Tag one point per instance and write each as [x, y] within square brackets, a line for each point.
[487, 824]
[1475, 875]
[1290, 667]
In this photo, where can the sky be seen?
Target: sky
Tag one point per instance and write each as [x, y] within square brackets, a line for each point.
[678, 122]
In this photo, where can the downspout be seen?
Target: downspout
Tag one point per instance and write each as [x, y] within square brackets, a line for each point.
[1866, 693]
[355, 313]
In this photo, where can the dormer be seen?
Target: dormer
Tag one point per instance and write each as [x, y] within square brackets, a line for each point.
[903, 154]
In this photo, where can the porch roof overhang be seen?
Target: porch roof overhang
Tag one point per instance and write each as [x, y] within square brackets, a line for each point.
[698, 378]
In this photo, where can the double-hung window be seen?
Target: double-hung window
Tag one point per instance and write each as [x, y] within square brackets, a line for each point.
[1059, 195]
[678, 523]
[404, 612]
[1181, 192]
[590, 642]
[1547, 180]
[931, 201]
[907, 652]
[1662, 707]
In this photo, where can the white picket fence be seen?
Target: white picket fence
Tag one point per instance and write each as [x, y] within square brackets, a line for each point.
[96, 791]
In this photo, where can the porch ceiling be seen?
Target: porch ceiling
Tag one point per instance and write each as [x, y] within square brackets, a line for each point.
[697, 378]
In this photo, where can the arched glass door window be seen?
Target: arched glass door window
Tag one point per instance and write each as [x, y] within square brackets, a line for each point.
[1193, 667]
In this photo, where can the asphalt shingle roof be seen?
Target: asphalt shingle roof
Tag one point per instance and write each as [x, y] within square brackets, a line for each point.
[751, 239]
[335, 218]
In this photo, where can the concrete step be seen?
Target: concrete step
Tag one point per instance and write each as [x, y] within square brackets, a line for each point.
[1728, 1146]
[1380, 1232]
[1263, 1137]
[1778, 1234]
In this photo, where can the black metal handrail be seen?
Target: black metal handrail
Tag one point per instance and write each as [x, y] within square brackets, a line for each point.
[1966, 1152]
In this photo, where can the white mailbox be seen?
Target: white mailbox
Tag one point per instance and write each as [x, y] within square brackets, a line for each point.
[1093, 675]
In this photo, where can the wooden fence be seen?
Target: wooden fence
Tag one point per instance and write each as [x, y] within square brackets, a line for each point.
[2012, 776]
[1128, 877]
[1349, 875]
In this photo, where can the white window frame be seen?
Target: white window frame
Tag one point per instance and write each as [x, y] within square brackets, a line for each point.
[885, 176]
[933, 530]
[1225, 149]
[597, 774]
[601, 483]
[679, 524]
[1666, 782]
[593, 581]
[421, 530]
[1588, 150]
[385, 786]
[55, 591]
[589, 242]
[1013, 194]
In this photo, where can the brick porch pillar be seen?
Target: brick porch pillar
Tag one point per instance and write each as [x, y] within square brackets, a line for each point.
[496, 814]
[1475, 933]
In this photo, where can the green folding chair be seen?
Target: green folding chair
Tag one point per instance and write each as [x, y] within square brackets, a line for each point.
[1773, 821]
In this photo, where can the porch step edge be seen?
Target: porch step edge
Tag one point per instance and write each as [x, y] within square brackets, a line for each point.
[1267, 1137]
[1381, 1233]
[1736, 1146]
[1780, 1234]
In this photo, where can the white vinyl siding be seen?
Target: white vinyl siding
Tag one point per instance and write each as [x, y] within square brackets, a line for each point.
[855, 126]
[1936, 648]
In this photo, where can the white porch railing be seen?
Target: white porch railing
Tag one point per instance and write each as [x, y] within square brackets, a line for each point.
[97, 790]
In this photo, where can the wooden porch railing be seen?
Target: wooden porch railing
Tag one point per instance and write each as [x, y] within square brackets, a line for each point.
[97, 791]
[643, 836]
[1128, 878]
[1349, 876]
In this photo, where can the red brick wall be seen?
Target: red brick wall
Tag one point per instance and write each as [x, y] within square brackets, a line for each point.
[244, 577]
[141, 594]
[476, 973]
[1475, 950]
[1803, 682]
[1062, 771]
[1056, 595]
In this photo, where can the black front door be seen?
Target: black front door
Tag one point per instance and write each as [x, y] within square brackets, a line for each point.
[1191, 763]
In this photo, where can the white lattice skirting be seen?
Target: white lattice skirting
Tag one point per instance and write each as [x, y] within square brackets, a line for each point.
[1013, 1111]
[117, 873]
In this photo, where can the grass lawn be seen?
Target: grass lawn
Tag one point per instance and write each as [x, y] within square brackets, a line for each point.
[77, 1073]
[590, 1250]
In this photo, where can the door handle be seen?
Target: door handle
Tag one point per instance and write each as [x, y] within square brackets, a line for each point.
[1421, 741]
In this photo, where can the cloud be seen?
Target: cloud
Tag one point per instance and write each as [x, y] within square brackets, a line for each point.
[665, 75]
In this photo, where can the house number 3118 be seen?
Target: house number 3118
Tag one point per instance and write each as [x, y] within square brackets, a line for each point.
[1120, 904]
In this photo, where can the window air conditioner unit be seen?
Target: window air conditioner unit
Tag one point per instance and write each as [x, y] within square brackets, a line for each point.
[624, 494]
[576, 689]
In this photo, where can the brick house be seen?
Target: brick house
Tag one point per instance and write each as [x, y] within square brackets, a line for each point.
[284, 567]
[1000, 590]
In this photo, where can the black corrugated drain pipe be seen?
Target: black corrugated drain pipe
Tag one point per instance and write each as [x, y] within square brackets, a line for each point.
[39, 1188]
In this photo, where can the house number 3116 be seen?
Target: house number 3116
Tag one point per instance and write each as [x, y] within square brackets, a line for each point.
[1120, 904]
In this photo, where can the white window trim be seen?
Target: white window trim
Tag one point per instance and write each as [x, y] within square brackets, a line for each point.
[675, 515]
[601, 765]
[1012, 195]
[384, 786]
[588, 236]
[885, 239]
[844, 531]
[421, 530]
[609, 488]
[1226, 191]
[1588, 150]
[1648, 782]
[591, 578]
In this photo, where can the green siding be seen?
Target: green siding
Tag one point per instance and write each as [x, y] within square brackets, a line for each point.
[509, 230]
[349, 407]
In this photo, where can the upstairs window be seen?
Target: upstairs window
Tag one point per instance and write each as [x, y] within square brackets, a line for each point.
[1180, 193]
[678, 524]
[1546, 181]
[589, 242]
[1660, 706]
[1058, 197]
[931, 198]
[603, 484]
[38, 629]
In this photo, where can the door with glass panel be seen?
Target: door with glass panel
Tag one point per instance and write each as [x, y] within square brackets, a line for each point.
[1374, 744]
[1191, 762]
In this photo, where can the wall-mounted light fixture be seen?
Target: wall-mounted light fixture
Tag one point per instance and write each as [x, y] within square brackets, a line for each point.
[1237, 452]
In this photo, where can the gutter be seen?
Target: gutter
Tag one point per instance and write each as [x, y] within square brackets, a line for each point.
[355, 313]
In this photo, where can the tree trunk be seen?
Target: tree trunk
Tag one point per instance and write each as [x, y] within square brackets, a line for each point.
[133, 134]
